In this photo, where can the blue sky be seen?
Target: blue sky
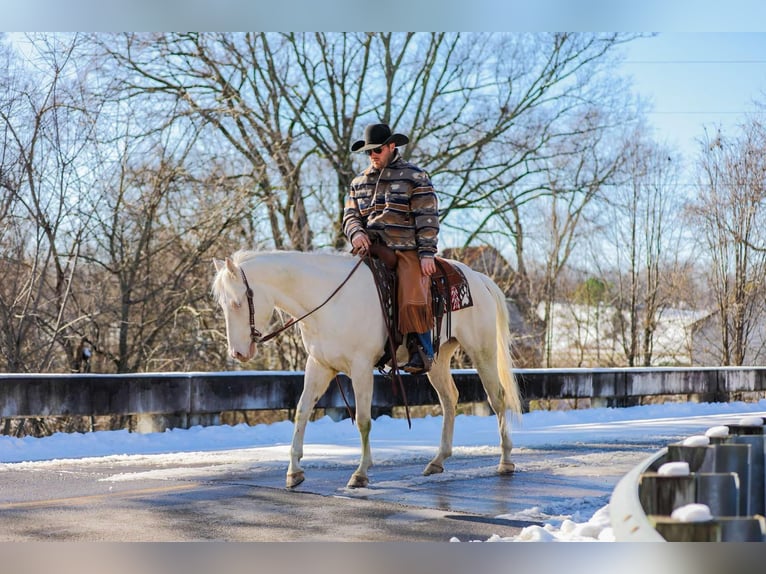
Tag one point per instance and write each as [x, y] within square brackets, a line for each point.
[697, 80]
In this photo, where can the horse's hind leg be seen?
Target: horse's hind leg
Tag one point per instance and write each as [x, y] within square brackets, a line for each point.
[487, 371]
[316, 381]
[442, 381]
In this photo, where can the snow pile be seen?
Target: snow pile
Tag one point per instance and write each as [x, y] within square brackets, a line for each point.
[719, 431]
[680, 468]
[692, 513]
[751, 421]
[696, 440]
[598, 528]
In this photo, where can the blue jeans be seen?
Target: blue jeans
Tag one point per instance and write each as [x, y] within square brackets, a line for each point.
[425, 341]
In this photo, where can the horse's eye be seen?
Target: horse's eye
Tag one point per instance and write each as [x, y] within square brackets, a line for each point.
[236, 304]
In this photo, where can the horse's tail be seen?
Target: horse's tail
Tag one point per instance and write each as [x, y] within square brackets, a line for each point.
[503, 339]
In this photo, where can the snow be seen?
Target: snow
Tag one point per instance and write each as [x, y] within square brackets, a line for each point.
[674, 469]
[750, 421]
[391, 440]
[597, 528]
[718, 431]
[692, 513]
[697, 440]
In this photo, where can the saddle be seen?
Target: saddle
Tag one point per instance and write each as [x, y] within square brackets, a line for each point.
[449, 292]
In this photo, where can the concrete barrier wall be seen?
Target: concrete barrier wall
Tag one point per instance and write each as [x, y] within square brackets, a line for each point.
[192, 394]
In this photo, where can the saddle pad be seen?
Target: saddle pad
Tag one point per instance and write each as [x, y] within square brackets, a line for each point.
[450, 282]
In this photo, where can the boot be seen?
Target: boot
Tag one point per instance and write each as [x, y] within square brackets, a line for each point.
[419, 363]
[421, 354]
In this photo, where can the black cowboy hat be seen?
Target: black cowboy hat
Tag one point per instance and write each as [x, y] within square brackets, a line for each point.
[376, 135]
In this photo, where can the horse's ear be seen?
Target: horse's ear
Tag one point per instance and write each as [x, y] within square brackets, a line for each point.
[231, 266]
[218, 264]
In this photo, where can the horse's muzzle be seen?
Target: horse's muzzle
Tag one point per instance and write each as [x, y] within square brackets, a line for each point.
[241, 357]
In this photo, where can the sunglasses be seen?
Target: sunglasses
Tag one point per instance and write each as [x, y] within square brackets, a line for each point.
[377, 150]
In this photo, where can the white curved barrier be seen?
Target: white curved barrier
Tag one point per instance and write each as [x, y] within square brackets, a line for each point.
[629, 521]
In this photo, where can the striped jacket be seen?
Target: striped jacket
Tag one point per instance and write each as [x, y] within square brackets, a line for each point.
[397, 204]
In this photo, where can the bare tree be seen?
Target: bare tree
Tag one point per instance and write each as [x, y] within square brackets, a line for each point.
[644, 233]
[577, 172]
[729, 210]
[152, 246]
[46, 126]
[223, 82]
[479, 108]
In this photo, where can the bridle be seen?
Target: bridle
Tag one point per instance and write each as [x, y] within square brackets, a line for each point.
[256, 336]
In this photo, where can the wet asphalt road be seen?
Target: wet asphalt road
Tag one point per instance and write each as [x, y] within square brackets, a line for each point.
[71, 501]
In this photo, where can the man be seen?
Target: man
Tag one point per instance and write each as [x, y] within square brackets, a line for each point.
[393, 201]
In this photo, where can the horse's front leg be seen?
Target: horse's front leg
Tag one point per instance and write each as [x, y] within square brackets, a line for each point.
[315, 383]
[362, 381]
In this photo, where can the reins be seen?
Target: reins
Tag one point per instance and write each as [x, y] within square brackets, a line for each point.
[393, 372]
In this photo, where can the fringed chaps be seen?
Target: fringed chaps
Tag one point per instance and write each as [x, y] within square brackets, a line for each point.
[414, 295]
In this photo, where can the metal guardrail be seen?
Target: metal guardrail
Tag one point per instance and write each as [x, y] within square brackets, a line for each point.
[155, 402]
[724, 484]
[200, 393]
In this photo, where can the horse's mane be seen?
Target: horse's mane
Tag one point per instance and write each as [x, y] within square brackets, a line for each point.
[241, 256]
[246, 255]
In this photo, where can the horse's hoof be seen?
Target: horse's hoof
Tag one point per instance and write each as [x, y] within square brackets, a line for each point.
[358, 481]
[506, 468]
[294, 479]
[433, 468]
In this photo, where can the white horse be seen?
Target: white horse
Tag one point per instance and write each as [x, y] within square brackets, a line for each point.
[348, 335]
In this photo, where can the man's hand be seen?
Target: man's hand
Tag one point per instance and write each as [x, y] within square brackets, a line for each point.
[428, 266]
[361, 244]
